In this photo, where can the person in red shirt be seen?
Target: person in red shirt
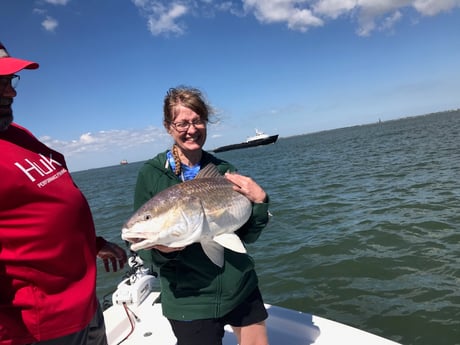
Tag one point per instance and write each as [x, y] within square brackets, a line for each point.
[48, 243]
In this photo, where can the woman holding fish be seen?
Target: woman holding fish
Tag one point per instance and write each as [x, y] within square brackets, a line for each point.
[203, 286]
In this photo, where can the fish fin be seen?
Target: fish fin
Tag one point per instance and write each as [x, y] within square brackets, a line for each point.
[209, 170]
[230, 241]
[217, 213]
[214, 251]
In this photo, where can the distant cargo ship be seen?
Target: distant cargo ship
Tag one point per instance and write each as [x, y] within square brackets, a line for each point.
[259, 139]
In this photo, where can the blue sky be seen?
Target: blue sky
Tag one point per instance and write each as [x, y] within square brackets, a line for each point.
[283, 66]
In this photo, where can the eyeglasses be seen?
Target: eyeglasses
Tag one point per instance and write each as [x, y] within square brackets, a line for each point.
[184, 125]
[11, 80]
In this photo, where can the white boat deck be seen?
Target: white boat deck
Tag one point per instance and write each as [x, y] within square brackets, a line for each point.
[285, 327]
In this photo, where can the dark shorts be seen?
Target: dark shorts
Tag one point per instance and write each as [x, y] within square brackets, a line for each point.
[211, 331]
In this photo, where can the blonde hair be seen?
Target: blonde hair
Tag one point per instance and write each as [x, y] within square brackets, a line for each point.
[177, 162]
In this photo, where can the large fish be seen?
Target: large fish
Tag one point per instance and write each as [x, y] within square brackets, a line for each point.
[205, 210]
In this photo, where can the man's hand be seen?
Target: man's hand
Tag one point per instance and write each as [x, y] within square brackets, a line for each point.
[113, 253]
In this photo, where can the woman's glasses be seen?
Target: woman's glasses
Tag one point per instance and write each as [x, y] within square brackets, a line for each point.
[183, 126]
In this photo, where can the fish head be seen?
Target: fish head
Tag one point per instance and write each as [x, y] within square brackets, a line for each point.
[174, 225]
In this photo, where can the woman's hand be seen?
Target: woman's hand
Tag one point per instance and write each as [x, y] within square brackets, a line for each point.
[247, 186]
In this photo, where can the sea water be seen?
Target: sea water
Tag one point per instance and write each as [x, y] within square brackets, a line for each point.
[365, 227]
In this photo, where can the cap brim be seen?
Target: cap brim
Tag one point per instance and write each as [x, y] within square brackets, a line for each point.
[10, 65]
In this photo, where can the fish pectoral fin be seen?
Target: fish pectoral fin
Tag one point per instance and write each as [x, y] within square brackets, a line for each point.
[217, 213]
[214, 251]
[230, 241]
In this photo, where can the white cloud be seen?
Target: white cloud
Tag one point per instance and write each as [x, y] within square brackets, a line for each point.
[87, 139]
[334, 8]
[165, 17]
[390, 21]
[57, 2]
[164, 20]
[50, 24]
[162, 16]
[39, 11]
[296, 15]
[107, 141]
[107, 148]
[433, 7]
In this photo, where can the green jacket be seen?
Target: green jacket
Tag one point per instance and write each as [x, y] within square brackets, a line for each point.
[192, 287]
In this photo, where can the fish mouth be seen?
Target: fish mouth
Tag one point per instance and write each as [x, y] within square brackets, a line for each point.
[136, 243]
[128, 238]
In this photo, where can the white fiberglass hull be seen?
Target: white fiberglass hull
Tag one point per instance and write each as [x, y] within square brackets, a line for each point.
[285, 326]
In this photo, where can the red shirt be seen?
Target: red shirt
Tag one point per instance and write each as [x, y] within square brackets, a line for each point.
[47, 244]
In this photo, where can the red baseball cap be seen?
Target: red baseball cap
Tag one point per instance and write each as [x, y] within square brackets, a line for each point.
[10, 65]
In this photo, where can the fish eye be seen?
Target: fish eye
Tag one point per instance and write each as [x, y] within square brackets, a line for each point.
[147, 216]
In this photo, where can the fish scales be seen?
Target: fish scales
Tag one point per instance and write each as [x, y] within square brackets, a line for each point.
[205, 210]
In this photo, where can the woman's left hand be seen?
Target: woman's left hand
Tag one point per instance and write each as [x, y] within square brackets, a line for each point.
[247, 186]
